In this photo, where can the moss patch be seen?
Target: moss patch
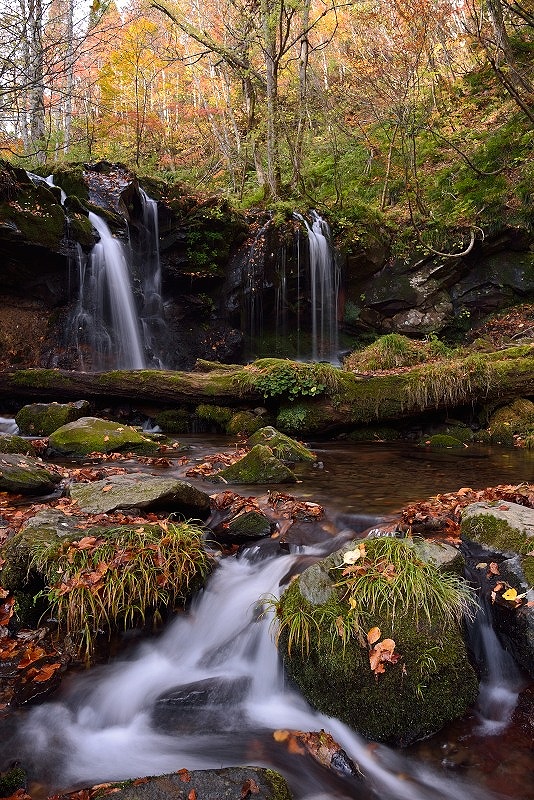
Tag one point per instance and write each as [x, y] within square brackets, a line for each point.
[260, 465]
[91, 434]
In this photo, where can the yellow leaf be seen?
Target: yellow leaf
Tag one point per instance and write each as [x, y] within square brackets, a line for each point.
[510, 594]
[352, 556]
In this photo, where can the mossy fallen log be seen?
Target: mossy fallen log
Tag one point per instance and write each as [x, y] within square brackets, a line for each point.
[337, 400]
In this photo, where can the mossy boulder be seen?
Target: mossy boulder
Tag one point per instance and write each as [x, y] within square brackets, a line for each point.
[25, 475]
[519, 416]
[243, 422]
[430, 684]
[42, 419]
[174, 420]
[16, 444]
[506, 532]
[213, 417]
[259, 465]
[47, 526]
[140, 491]
[283, 446]
[246, 526]
[444, 440]
[94, 435]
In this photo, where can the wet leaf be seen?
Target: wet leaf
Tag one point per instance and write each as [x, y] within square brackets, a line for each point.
[352, 556]
[185, 775]
[249, 787]
[374, 635]
[510, 594]
[192, 795]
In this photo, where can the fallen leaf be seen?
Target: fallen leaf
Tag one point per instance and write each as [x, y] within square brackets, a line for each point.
[509, 594]
[493, 568]
[249, 787]
[352, 556]
[107, 488]
[192, 795]
[374, 635]
[185, 775]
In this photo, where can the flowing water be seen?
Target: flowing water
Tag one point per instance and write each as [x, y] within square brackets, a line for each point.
[210, 691]
[324, 289]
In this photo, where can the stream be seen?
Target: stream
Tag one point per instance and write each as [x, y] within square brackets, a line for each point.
[210, 690]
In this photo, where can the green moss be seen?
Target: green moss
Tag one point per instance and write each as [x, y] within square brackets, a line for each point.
[42, 419]
[279, 787]
[490, 531]
[217, 417]
[431, 684]
[16, 444]
[174, 420]
[258, 466]
[444, 440]
[81, 230]
[90, 434]
[374, 434]
[71, 180]
[11, 780]
[40, 378]
[282, 446]
[244, 422]
[37, 215]
[502, 434]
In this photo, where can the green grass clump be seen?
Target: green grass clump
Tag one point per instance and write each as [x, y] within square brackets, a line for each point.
[449, 382]
[387, 579]
[394, 350]
[116, 577]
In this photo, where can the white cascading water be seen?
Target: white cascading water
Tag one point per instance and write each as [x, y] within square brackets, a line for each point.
[151, 318]
[324, 289]
[119, 344]
[209, 693]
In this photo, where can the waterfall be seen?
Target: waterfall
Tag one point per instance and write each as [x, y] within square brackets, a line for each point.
[324, 289]
[107, 305]
[152, 319]
[209, 692]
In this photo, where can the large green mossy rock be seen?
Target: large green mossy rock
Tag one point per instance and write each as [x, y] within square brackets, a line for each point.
[282, 446]
[506, 532]
[42, 419]
[140, 491]
[259, 465]
[94, 435]
[25, 475]
[431, 684]
[518, 416]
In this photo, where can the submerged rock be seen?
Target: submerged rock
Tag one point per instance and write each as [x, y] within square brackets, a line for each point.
[260, 465]
[95, 435]
[42, 419]
[25, 475]
[140, 491]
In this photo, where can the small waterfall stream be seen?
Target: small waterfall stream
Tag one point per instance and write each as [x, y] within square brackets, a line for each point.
[209, 692]
[324, 289]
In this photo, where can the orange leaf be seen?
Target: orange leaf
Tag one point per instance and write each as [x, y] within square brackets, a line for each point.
[374, 635]
[107, 488]
[185, 775]
[192, 795]
[493, 568]
[249, 787]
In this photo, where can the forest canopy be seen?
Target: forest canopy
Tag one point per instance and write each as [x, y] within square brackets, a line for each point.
[419, 109]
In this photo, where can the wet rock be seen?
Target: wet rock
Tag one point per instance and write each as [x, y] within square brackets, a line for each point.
[25, 475]
[231, 783]
[244, 527]
[506, 532]
[430, 680]
[42, 419]
[16, 444]
[94, 435]
[259, 465]
[282, 446]
[140, 491]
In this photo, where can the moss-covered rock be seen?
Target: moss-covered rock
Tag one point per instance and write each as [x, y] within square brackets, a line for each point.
[518, 416]
[213, 417]
[282, 446]
[94, 435]
[174, 420]
[243, 422]
[42, 419]
[431, 683]
[444, 440]
[506, 530]
[16, 444]
[140, 491]
[259, 465]
[25, 475]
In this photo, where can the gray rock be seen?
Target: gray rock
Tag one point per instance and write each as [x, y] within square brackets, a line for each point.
[231, 783]
[139, 491]
[501, 527]
[42, 419]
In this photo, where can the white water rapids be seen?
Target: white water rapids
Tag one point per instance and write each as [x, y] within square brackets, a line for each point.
[221, 693]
